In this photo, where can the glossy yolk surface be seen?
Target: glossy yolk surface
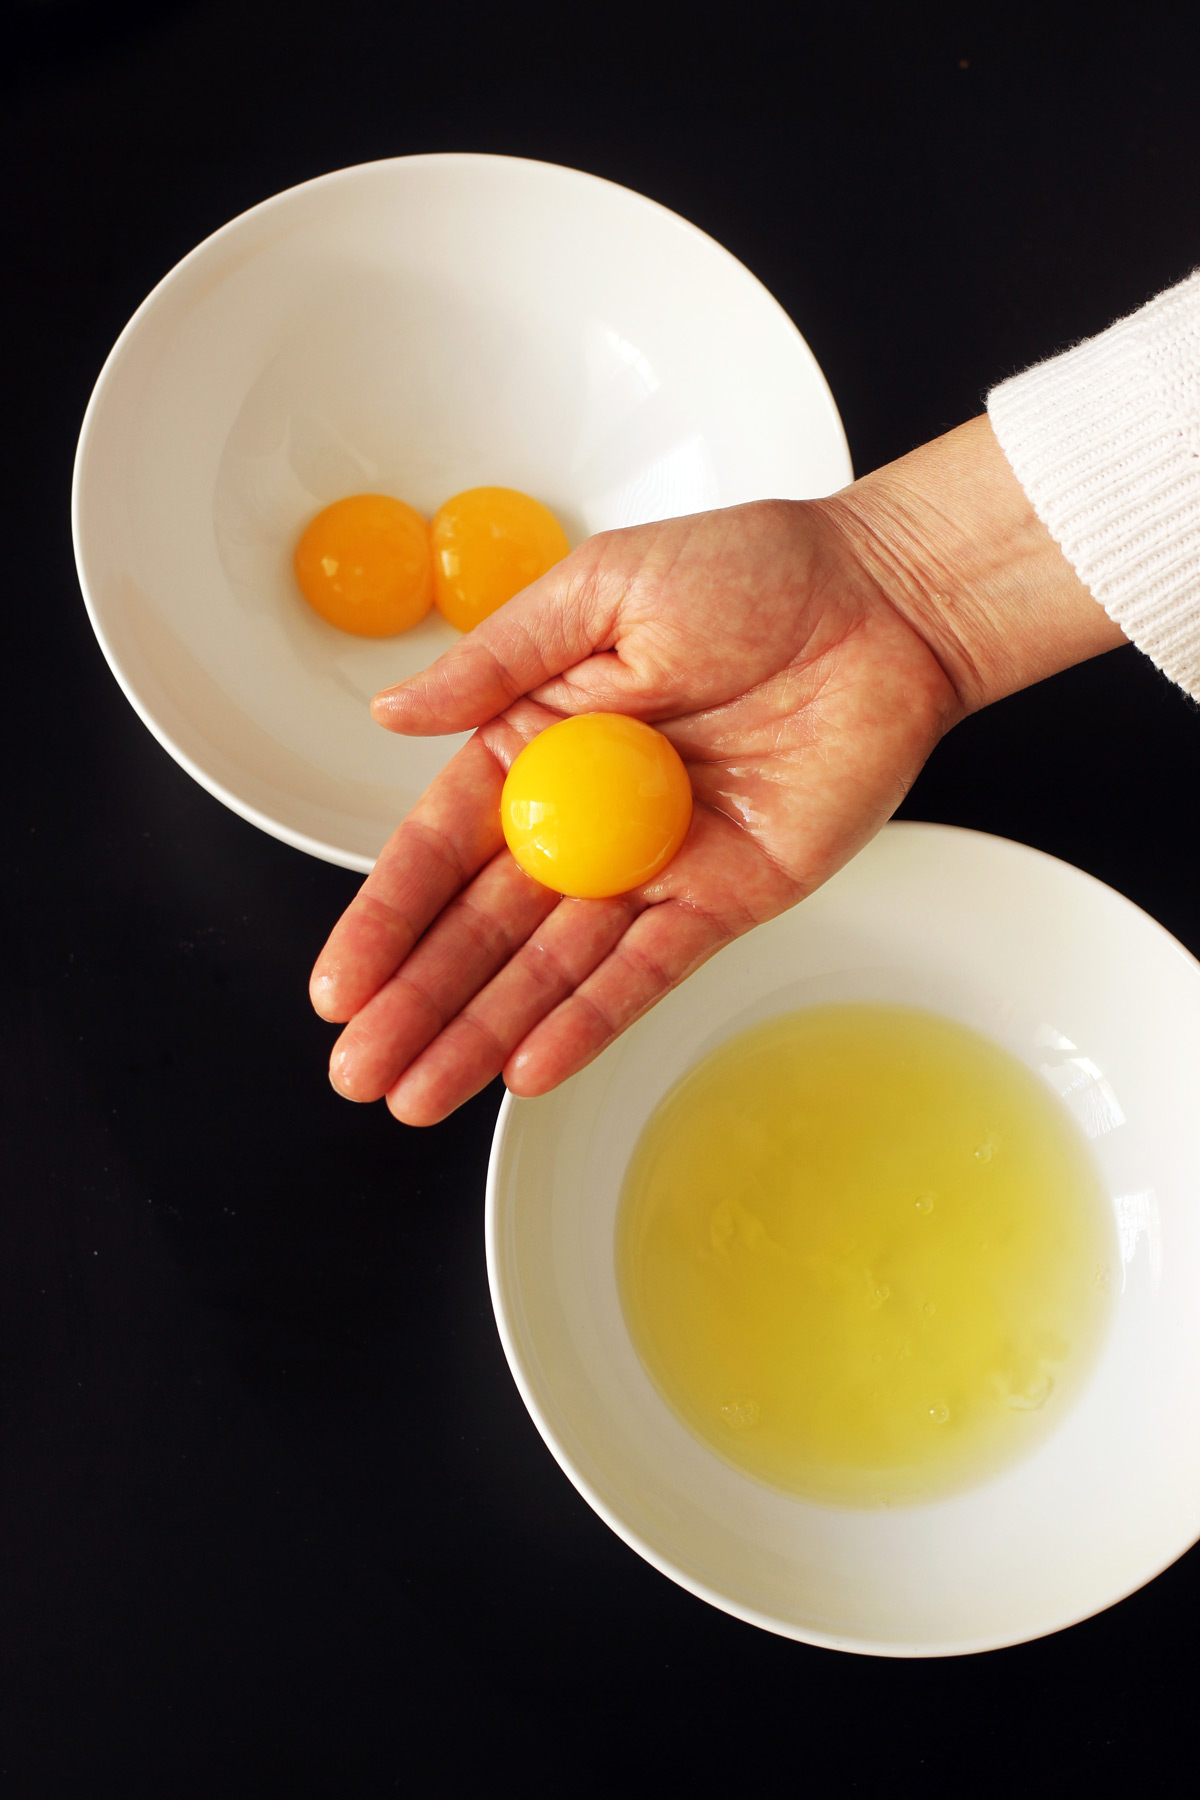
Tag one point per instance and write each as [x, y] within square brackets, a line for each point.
[489, 543]
[596, 805]
[364, 565]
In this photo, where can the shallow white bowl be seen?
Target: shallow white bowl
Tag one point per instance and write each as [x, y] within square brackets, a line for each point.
[417, 326]
[1084, 988]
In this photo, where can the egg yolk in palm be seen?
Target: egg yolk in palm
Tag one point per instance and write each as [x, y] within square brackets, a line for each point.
[596, 805]
[364, 565]
[488, 544]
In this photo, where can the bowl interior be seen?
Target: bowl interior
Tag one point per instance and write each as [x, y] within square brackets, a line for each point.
[417, 326]
[1099, 1000]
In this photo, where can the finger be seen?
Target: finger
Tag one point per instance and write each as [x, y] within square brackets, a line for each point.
[453, 830]
[567, 947]
[549, 627]
[577, 942]
[660, 949]
[608, 683]
[474, 937]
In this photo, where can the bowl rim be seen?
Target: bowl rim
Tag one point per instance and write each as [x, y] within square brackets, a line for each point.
[967, 1646]
[246, 809]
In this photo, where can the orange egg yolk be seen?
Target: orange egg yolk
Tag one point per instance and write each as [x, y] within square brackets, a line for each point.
[364, 565]
[596, 805]
[489, 543]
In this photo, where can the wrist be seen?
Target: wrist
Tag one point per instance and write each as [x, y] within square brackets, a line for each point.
[949, 537]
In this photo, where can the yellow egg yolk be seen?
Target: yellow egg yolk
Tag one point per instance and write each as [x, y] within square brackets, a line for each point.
[488, 544]
[596, 805]
[364, 565]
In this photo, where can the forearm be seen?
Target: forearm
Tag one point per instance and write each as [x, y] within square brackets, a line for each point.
[952, 540]
[1069, 516]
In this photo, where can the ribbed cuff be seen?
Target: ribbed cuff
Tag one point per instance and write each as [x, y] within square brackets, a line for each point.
[1105, 440]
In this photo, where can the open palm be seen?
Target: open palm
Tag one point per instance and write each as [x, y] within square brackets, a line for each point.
[803, 706]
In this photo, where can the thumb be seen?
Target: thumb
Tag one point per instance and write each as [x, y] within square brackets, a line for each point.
[560, 620]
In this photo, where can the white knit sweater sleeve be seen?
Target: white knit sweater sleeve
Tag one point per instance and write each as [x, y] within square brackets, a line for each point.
[1105, 440]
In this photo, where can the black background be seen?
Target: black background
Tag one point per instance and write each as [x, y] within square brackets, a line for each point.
[273, 1520]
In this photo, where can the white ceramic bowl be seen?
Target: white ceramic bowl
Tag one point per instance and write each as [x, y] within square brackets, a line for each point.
[1080, 985]
[418, 326]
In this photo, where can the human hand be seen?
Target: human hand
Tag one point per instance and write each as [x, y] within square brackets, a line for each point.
[803, 658]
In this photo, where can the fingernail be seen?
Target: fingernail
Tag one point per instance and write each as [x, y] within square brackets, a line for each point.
[397, 687]
[320, 992]
[386, 708]
[337, 1066]
[398, 1089]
